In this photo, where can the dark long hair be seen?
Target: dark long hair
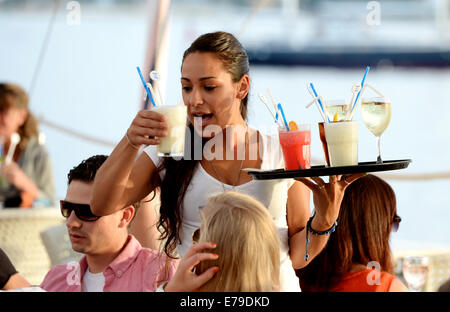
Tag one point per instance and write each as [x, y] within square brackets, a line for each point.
[179, 173]
[362, 235]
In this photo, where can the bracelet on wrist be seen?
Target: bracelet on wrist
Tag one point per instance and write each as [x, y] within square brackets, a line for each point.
[327, 232]
[310, 229]
[129, 142]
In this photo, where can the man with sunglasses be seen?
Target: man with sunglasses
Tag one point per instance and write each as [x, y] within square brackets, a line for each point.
[114, 260]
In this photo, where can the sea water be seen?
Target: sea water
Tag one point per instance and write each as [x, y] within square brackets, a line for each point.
[88, 83]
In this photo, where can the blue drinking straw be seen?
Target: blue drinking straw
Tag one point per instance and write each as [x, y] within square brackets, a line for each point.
[145, 86]
[320, 102]
[362, 86]
[284, 117]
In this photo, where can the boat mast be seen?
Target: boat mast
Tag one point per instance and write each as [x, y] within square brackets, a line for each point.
[156, 56]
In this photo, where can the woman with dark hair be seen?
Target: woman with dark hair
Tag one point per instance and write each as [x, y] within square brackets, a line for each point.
[367, 217]
[215, 85]
[29, 174]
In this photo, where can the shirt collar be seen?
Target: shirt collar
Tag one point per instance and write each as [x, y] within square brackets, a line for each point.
[127, 257]
[122, 262]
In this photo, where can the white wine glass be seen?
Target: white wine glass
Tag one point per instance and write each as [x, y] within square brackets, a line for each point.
[415, 272]
[376, 114]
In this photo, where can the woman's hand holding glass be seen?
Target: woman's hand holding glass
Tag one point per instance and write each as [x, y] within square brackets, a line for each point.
[14, 175]
[185, 278]
[145, 127]
[327, 198]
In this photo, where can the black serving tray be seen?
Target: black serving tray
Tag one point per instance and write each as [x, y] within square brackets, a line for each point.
[316, 171]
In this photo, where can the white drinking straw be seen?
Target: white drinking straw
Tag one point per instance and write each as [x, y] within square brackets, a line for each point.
[263, 99]
[152, 92]
[155, 76]
[315, 98]
[324, 109]
[15, 139]
[274, 103]
[355, 89]
[375, 90]
[360, 92]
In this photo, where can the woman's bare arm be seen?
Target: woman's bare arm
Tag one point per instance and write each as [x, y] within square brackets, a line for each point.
[327, 203]
[121, 181]
[298, 213]
[16, 281]
[298, 207]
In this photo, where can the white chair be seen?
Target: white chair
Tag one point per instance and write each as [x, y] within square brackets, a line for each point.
[439, 270]
[20, 239]
[59, 249]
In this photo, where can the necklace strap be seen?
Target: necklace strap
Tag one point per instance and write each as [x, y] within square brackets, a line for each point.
[239, 173]
[220, 178]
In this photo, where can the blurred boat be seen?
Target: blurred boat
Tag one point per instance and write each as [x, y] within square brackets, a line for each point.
[353, 34]
[345, 57]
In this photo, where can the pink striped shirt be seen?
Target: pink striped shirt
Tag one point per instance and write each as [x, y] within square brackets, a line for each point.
[135, 269]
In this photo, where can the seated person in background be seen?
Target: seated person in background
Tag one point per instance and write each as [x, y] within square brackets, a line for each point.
[114, 260]
[28, 175]
[367, 217]
[9, 278]
[244, 237]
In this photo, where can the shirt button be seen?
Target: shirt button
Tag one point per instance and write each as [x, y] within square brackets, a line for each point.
[119, 273]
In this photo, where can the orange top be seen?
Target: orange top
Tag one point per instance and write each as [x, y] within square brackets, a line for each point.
[27, 200]
[367, 280]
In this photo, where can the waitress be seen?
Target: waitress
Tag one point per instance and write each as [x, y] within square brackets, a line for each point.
[215, 84]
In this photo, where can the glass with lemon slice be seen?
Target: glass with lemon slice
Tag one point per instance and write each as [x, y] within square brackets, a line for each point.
[296, 146]
[337, 109]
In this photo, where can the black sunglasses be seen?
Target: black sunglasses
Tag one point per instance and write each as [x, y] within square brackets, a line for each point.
[82, 211]
[396, 224]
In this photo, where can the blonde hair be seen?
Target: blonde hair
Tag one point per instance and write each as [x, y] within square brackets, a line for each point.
[13, 96]
[247, 244]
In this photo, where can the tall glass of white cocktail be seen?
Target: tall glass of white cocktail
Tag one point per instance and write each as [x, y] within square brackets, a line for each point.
[342, 142]
[173, 144]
